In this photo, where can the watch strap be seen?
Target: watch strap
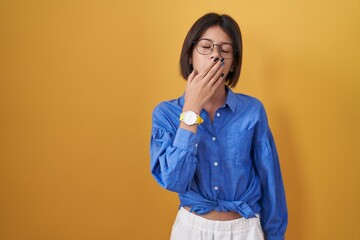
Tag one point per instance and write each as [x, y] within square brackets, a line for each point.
[199, 120]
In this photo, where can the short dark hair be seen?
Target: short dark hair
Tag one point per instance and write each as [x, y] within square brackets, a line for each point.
[229, 26]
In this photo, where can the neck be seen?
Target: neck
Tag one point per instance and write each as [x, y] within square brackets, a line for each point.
[217, 100]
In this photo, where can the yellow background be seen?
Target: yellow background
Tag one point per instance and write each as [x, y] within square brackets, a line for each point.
[79, 80]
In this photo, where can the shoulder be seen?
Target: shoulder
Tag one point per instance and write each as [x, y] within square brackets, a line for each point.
[167, 107]
[166, 114]
[248, 102]
[248, 99]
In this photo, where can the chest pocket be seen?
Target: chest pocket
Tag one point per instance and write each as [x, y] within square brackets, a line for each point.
[238, 146]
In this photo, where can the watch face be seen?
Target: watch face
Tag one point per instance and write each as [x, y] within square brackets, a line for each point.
[190, 118]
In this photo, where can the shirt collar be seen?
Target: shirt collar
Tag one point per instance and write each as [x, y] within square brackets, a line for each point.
[230, 99]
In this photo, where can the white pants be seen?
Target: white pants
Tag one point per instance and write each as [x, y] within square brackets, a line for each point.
[188, 226]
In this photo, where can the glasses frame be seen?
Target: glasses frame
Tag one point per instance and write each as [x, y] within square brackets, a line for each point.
[213, 47]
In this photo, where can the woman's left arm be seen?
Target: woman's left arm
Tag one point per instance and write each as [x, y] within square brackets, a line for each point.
[274, 216]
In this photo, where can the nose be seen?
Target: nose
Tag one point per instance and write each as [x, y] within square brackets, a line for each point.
[216, 51]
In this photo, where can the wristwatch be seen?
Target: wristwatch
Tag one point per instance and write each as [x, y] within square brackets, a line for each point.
[190, 118]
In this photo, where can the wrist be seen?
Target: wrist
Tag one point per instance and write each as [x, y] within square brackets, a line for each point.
[192, 128]
[194, 108]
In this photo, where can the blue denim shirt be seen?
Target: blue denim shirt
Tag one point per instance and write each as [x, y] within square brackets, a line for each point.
[230, 164]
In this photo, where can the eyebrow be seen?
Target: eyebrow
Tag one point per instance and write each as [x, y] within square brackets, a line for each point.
[214, 42]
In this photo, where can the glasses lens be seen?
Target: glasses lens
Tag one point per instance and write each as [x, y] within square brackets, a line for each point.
[227, 50]
[204, 46]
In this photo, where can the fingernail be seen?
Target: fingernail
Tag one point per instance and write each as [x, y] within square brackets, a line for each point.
[222, 64]
[216, 59]
[222, 74]
[222, 59]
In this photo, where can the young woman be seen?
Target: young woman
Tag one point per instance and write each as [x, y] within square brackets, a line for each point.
[214, 147]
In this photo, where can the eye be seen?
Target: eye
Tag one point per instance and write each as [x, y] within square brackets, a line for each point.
[205, 45]
[227, 48]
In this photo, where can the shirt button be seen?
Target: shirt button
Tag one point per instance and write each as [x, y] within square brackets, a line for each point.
[196, 145]
[216, 188]
[218, 114]
[214, 139]
[216, 163]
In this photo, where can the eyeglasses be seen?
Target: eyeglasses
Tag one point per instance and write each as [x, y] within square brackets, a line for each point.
[206, 46]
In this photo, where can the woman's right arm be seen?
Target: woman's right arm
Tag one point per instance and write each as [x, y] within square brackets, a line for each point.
[173, 155]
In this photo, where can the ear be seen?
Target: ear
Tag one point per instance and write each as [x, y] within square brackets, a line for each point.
[190, 61]
[231, 69]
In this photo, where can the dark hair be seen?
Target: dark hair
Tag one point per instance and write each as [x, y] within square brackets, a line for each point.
[229, 26]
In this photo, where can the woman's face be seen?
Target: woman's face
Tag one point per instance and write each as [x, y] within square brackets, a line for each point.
[217, 36]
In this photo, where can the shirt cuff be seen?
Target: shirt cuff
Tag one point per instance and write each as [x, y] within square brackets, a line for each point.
[186, 140]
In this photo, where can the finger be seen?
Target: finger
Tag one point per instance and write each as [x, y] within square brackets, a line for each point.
[208, 67]
[191, 76]
[214, 70]
[215, 73]
[219, 81]
[217, 84]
